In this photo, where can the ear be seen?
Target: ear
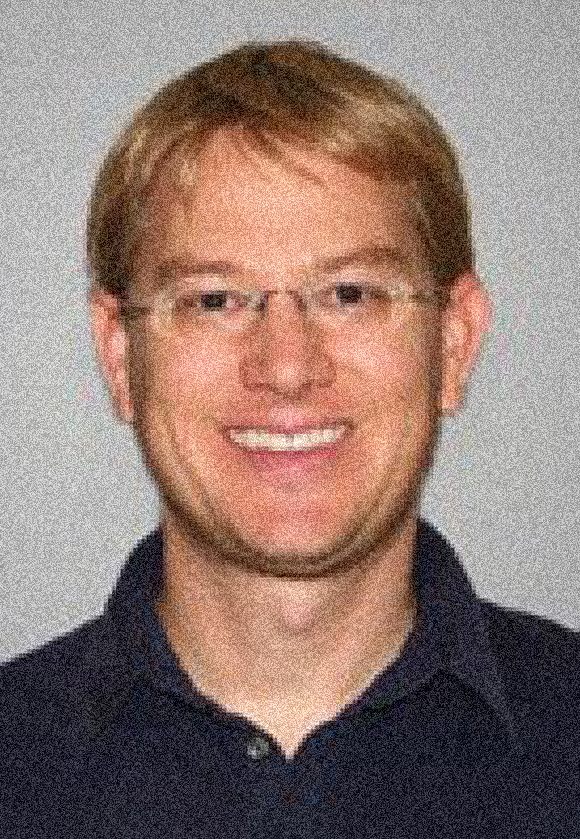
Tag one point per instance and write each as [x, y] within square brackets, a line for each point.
[466, 320]
[111, 345]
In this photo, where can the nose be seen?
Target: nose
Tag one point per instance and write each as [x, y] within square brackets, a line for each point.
[284, 352]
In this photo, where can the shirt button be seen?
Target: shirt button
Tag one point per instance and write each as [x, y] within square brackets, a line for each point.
[258, 748]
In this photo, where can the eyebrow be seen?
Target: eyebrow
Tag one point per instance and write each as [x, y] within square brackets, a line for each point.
[374, 255]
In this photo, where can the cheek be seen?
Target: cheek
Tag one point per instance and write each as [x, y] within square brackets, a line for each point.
[397, 386]
[177, 377]
[403, 369]
[177, 397]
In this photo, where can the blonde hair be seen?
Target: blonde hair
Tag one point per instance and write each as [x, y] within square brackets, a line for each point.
[293, 92]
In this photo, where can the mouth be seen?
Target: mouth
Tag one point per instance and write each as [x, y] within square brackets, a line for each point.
[262, 440]
[289, 458]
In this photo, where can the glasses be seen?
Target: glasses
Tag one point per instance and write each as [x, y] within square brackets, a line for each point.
[191, 307]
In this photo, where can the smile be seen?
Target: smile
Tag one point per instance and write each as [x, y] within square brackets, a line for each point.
[260, 440]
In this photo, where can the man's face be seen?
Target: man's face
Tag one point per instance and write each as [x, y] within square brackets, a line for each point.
[296, 514]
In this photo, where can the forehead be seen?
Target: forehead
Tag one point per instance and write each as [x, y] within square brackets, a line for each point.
[234, 204]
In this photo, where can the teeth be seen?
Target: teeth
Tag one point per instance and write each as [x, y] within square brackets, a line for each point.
[255, 439]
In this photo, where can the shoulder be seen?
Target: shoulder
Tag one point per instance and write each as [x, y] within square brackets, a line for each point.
[62, 658]
[53, 702]
[43, 692]
[69, 688]
[539, 666]
[529, 647]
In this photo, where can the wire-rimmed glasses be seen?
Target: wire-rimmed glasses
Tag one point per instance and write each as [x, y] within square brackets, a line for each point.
[195, 305]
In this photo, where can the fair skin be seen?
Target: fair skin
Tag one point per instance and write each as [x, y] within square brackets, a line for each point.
[287, 579]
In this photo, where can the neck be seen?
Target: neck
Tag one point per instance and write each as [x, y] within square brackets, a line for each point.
[287, 654]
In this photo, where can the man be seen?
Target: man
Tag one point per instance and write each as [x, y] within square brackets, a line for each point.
[285, 305]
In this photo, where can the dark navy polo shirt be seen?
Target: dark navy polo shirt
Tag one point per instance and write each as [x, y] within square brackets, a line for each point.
[473, 732]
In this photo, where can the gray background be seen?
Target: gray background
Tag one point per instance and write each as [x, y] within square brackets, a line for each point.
[504, 79]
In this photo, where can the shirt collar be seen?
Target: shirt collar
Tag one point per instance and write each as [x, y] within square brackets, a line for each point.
[450, 634]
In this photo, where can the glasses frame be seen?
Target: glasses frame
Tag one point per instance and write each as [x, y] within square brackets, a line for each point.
[257, 300]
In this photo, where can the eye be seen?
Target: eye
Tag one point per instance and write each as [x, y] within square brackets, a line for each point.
[215, 301]
[196, 302]
[347, 295]
[350, 294]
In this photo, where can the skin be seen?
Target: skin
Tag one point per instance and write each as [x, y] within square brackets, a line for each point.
[286, 591]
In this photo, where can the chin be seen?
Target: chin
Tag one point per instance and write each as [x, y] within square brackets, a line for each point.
[294, 556]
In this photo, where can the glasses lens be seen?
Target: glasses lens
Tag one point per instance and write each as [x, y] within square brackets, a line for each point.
[194, 309]
[351, 302]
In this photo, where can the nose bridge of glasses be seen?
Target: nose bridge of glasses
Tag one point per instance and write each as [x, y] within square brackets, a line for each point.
[300, 297]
